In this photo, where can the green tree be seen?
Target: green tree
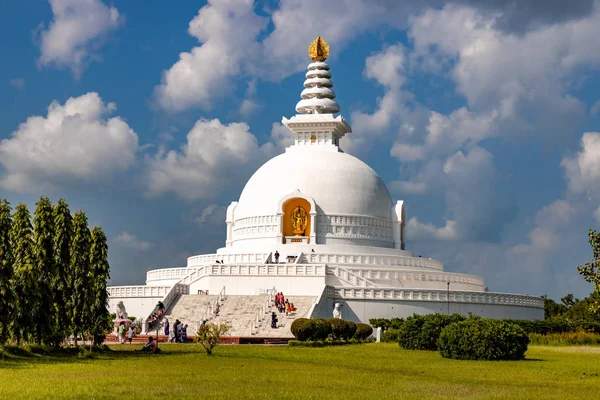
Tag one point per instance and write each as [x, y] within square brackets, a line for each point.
[24, 281]
[81, 275]
[591, 270]
[6, 271]
[552, 309]
[569, 300]
[63, 280]
[45, 271]
[208, 335]
[100, 316]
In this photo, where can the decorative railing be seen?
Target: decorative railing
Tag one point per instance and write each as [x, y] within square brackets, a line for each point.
[423, 276]
[365, 259]
[176, 290]
[350, 277]
[241, 258]
[198, 273]
[168, 273]
[268, 269]
[259, 316]
[138, 291]
[209, 313]
[436, 295]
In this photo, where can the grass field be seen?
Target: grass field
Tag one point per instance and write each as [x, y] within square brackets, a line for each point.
[376, 371]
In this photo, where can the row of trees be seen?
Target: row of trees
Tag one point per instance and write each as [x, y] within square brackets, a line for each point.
[53, 275]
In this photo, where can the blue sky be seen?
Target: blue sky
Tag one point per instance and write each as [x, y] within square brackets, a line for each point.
[483, 116]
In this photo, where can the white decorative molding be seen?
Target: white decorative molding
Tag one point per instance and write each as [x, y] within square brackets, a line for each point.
[434, 295]
[374, 259]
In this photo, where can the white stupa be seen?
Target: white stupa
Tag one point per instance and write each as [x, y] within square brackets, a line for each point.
[320, 225]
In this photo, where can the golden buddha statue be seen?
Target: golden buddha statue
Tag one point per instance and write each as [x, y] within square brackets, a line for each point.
[299, 221]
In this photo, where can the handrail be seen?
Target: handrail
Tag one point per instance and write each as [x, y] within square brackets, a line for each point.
[167, 301]
[210, 309]
[263, 310]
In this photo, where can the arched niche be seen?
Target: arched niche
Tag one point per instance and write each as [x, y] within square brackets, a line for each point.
[287, 204]
[288, 209]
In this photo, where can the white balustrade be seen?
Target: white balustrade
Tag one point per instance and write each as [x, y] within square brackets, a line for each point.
[238, 258]
[168, 273]
[268, 269]
[436, 295]
[423, 276]
[138, 291]
[366, 259]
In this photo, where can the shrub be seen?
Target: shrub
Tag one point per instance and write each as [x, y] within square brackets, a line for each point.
[386, 323]
[432, 328]
[302, 328]
[208, 335]
[391, 335]
[326, 327]
[409, 334]
[363, 331]
[565, 339]
[338, 327]
[483, 339]
[421, 332]
[350, 330]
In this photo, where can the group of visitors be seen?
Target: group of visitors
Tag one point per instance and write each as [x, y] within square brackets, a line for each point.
[283, 304]
[125, 336]
[176, 334]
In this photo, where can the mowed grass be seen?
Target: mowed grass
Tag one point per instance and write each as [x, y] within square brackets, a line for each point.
[378, 371]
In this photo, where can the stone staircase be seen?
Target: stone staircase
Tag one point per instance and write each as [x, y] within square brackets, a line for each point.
[240, 313]
[303, 305]
[189, 309]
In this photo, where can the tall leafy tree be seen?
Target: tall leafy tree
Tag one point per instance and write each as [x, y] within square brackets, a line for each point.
[24, 280]
[63, 279]
[591, 270]
[81, 275]
[100, 316]
[45, 270]
[6, 270]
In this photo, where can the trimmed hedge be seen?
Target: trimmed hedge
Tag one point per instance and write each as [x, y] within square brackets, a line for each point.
[483, 339]
[302, 329]
[363, 331]
[385, 323]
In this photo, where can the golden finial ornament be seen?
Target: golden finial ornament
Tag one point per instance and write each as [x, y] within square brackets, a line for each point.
[318, 49]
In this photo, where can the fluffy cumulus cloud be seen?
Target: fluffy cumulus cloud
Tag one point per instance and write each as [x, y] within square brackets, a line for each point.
[231, 45]
[76, 32]
[227, 31]
[523, 78]
[128, 240]
[75, 141]
[582, 169]
[215, 157]
[417, 230]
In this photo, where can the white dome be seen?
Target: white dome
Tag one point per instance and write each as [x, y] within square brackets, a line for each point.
[339, 183]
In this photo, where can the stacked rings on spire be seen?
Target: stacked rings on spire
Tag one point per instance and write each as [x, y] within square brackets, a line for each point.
[317, 97]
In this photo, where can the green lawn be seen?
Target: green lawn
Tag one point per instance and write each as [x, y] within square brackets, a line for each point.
[373, 371]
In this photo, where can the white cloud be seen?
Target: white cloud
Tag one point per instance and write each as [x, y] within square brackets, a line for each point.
[215, 157]
[524, 78]
[231, 45]
[582, 169]
[212, 215]
[546, 234]
[416, 230]
[133, 242]
[228, 31]
[74, 142]
[76, 32]
[17, 83]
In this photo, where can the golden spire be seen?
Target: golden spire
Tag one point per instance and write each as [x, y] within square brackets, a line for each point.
[318, 49]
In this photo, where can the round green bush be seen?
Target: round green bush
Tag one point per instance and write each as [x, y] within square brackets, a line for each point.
[338, 327]
[302, 328]
[350, 329]
[483, 339]
[325, 328]
[363, 331]
[432, 328]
